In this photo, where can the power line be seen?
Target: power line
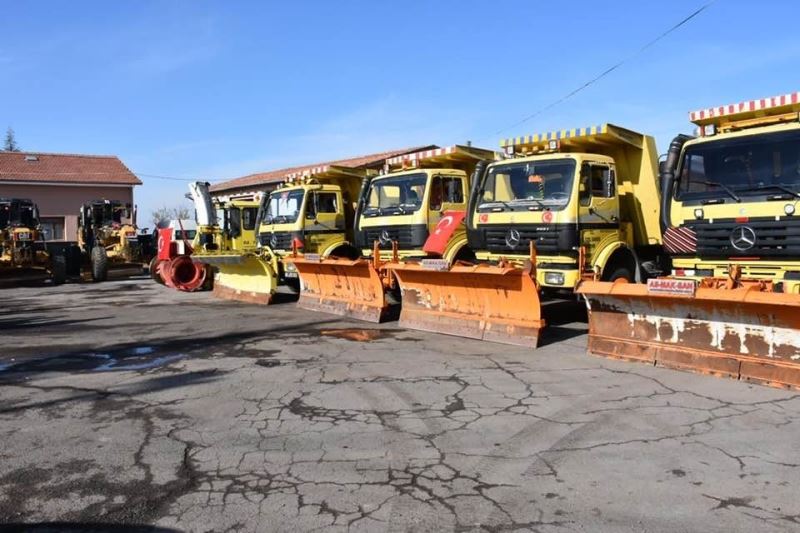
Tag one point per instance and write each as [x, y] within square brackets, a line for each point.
[608, 70]
[171, 178]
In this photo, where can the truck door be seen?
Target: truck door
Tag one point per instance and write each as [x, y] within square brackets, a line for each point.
[325, 218]
[447, 194]
[598, 213]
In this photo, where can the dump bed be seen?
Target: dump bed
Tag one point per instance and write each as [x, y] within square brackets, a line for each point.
[636, 160]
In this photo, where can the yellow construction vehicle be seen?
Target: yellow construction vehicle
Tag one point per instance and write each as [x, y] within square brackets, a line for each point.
[731, 305]
[312, 213]
[23, 253]
[110, 241]
[562, 206]
[419, 196]
[225, 231]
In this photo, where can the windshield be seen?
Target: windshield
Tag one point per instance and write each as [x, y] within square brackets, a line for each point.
[284, 206]
[17, 214]
[735, 168]
[544, 183]
[396, 195]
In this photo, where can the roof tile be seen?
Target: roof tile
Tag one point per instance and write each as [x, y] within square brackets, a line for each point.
[277, 176]
[65, 168]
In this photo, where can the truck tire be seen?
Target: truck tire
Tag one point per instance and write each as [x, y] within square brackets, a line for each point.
[99, 264]
[619, 272]
[153, 268]
[58, 269]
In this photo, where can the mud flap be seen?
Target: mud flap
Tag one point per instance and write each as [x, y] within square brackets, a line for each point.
[498, 304]
[743, 333]
[344, 287]
[245, 278]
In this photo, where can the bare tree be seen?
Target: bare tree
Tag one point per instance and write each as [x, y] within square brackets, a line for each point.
[164, 214]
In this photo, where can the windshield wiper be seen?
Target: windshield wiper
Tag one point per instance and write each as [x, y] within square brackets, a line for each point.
[523, 200]
[783, 188]
[724, 188]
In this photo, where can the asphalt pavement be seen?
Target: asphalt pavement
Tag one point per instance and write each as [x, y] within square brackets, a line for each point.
[127, 406]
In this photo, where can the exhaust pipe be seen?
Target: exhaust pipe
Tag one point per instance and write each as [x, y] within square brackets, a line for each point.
[666, 176]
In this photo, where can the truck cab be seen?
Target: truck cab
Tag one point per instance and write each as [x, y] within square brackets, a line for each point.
[575, 202]
[408, 201]
[311, 213]
[731, 194]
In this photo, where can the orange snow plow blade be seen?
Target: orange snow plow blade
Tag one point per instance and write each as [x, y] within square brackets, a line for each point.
[343, 287]
[747, 333]
[493, 303]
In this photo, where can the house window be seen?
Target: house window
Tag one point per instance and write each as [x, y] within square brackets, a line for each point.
[52, 228]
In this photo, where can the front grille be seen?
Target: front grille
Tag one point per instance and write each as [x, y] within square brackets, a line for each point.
[282, 240]
[408, 237]
[772, 237]
[544, 237]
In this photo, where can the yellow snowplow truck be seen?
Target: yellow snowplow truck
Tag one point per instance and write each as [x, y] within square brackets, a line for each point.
[312, 213]
[562, 206]
[226, 231]
[110, 241]
[731, 305]
[23, 254]
[397, 212]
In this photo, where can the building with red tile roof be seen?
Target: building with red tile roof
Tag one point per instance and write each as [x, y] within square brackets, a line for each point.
[266, 181]
[61, 183]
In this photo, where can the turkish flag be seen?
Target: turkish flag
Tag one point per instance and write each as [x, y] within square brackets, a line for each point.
[437, 240]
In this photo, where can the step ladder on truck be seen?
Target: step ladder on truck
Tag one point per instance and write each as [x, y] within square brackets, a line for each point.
[413, 210]
[731, 304]
[560, 207]
[311, 213]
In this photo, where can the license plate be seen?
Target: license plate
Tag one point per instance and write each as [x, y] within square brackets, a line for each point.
[434, 264]
[312, 257]
[290, 275]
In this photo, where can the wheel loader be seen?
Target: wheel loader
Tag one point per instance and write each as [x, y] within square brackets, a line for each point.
[110, 242]
[310, 213]
[223, 231]
[24, 256]
[560, 207]
[418, 196]
[730, 304]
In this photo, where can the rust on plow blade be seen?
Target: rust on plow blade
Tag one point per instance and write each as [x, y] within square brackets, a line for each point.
[342, 287]
[743, 333]
[492, 303]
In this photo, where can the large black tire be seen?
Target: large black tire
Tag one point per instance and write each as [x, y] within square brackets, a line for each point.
[153, 269]
[99, 264]
[619, 272]
[58, 269]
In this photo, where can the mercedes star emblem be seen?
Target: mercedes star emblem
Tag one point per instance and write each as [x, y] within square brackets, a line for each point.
[743, 238]
[512, 238]
[385, 238]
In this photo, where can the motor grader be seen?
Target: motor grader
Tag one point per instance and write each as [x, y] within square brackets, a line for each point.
[223, 231]
[730, 305]
[561, 206]
[110, 242]
[417, 196]
[24, 256]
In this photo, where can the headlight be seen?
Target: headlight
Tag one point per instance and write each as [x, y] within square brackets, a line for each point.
[290, 267]
[789, 209]
[698, 213]
[553, 278]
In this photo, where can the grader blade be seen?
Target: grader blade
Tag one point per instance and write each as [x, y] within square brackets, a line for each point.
[245, 278]
[493, 303]
[344, 287]
[745, 333]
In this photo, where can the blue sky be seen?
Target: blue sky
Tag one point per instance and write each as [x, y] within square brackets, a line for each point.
[216, 90]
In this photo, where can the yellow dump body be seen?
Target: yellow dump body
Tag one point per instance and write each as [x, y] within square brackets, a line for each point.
[731, 306]
[421, 195]
[593, 188]
[751, 149]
